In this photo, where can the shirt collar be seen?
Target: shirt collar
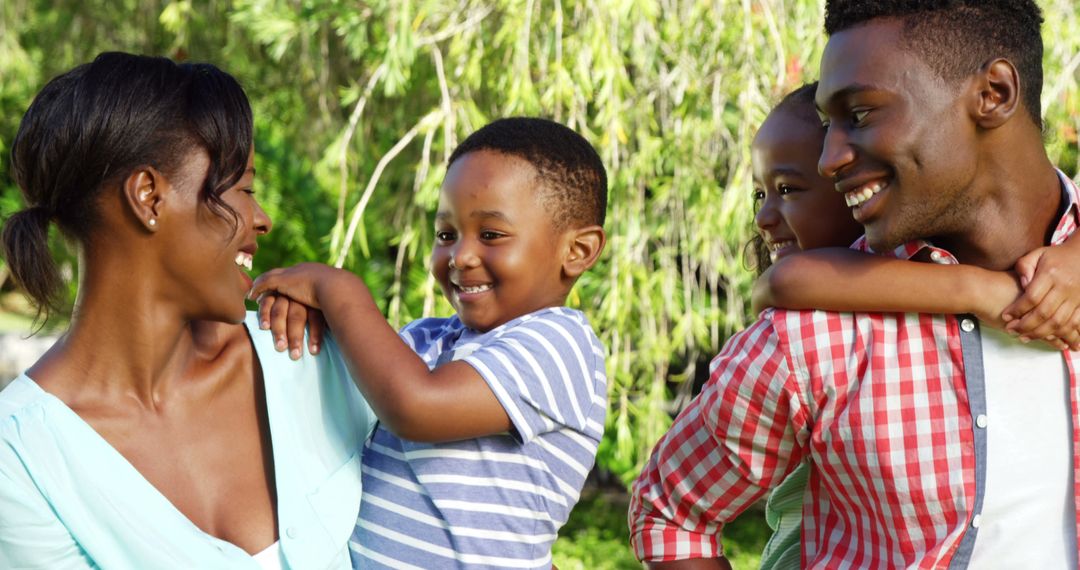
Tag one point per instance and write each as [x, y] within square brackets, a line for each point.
[1070, 218]
[1067, 224]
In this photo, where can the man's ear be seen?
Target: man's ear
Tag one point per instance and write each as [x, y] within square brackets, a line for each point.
[998, 97]
[585, 246]
[144, 191]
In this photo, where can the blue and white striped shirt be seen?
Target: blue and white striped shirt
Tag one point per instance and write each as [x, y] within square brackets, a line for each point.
[496, 501]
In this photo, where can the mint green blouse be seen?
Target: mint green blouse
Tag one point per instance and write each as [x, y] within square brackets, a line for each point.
[70, 500]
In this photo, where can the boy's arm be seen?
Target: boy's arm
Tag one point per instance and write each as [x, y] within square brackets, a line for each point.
[841, 279]
[451, 402]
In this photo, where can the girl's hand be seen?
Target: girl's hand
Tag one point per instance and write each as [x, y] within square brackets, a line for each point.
[286, 319]
[989, 293]
[1049, 307]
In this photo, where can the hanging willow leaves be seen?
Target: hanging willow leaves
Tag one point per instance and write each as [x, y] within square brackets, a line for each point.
[358, 105]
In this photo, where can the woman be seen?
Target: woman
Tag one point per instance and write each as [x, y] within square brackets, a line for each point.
[159, 431]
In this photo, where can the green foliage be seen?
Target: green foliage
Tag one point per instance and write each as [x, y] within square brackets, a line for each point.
[358, 105]
[596, 537]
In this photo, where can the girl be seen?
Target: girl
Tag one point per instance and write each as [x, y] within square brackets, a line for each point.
[798, 210]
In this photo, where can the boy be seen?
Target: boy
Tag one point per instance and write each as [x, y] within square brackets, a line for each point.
[490, 419]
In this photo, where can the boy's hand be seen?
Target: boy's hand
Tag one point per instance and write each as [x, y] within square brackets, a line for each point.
[298, 282]
[286, 318]
[1048, 307]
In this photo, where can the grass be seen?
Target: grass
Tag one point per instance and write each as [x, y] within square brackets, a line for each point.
[596, 536]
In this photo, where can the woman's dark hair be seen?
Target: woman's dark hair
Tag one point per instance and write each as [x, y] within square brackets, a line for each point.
[90, 127]
[800, 103]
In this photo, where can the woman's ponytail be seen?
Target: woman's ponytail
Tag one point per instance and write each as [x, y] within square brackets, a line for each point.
[25, 243]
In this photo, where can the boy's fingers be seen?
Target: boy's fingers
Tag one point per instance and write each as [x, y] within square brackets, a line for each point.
[294, 329]
[279, 316]
[258, 287]
[316, 328]
[263, 284]
[266, 302]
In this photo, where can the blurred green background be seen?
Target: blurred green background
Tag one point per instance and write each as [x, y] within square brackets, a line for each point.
[358, 105]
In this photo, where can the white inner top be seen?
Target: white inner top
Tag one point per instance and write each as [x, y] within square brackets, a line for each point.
[270, 557]
[1028, 519]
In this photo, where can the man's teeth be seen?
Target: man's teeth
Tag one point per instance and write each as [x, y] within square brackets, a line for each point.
[475, 289]
[243, 260]
[862, 194]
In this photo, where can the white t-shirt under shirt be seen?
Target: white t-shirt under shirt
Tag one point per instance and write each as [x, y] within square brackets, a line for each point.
[495, 501]
[1028, 519]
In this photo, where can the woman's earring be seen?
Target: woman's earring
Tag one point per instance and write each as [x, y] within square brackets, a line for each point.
[152, 222]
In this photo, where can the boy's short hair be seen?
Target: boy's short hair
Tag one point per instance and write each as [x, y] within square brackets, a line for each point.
[574, 182]
[956, 37]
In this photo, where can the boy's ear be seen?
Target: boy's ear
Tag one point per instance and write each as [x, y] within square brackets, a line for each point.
[144, 190]
[998, 94]
[586, 244]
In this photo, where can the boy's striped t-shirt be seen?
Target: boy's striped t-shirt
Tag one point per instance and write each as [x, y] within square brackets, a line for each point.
[496, 501]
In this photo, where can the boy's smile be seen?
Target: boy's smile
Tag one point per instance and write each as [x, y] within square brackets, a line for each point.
[497, 253]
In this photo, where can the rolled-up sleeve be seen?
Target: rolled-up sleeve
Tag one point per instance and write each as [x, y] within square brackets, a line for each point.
[738, 438]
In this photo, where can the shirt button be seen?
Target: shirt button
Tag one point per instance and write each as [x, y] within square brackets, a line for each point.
[976, 521]
[291, 532]
[980, 420]
[936, 256]
[967, 325]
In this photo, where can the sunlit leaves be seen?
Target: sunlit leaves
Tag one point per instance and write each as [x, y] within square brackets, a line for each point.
[367, 98]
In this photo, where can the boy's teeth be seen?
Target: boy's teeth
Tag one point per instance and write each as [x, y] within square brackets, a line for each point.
[860, 195]
[476, 289]
[243, 260]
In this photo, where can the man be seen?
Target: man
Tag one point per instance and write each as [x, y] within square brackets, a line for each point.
[933, 443]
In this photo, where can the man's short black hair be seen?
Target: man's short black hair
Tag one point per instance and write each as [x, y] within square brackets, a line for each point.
[956, 37]
[572, 176]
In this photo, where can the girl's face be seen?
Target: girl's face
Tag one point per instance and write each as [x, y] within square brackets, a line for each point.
[797, 209]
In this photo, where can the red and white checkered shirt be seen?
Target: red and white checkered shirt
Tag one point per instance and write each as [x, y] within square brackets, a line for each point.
[883, 405]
